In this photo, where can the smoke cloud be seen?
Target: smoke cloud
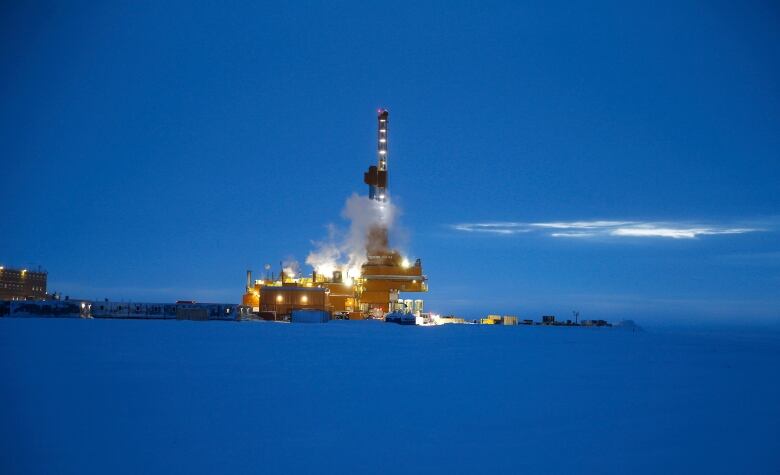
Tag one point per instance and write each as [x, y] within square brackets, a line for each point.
[346, 250]
[291, 268]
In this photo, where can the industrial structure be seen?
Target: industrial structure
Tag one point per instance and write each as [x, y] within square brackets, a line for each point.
[70, 308]
[22, 284]
[382, 278]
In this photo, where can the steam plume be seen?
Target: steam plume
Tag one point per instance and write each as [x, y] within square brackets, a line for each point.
[346, 250]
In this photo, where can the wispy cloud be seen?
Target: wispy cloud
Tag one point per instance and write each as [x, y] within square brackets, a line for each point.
[576, 234]
[606, 229]
[581, 224]
[648, 230]
[494, 228]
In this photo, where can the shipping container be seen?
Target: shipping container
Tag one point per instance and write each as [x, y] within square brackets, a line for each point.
[310, 316]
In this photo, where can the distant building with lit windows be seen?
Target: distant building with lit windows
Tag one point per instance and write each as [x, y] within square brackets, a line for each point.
[22, 284]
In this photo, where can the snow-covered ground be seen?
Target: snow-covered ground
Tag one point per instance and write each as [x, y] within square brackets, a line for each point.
[94, 396]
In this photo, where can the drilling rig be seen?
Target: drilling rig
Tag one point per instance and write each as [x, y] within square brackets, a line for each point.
[386, 273]
[383, 277]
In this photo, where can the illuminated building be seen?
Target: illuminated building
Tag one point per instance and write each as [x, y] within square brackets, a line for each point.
[22, 284]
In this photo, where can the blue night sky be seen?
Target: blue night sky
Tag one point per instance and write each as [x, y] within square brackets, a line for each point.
[618, 159]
